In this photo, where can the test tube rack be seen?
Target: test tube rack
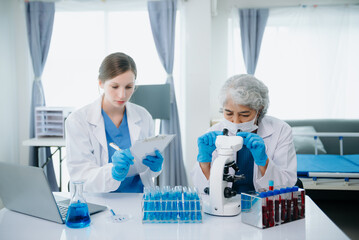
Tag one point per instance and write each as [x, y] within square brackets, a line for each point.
[273, 208]
[171, 205]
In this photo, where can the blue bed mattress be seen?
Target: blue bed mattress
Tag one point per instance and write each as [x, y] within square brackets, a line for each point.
[327, 163]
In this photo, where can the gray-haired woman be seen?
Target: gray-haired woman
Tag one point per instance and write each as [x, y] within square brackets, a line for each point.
[268, 151]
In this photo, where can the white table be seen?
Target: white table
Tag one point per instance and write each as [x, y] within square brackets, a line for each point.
[57, 142]
[14, 225]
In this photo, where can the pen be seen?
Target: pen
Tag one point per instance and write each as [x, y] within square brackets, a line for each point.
[113, 213]
[118, 217]
[114, 146]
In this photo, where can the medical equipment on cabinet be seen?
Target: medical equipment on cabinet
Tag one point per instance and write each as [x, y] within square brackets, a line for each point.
[222, 200]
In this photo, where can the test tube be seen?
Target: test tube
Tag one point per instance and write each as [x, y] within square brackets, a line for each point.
[146, 199]
[151, 205]
[270, 207]
[168, 211]
[179, 201]
[271, 185]
[165, 190]
[263, 196]
[295, 203]
[173, 196]
[276, 207]
[198, 205]
[302, 209]
[289, 204]
[282, 198]
[158, 214]
[192, 204]
[186, 198]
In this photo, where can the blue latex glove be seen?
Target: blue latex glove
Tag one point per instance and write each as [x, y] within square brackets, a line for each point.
[154, 162]
[206, 146]
[121, 160]
[256, 145]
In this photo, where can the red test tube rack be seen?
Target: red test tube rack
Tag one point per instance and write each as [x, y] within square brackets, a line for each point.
[272, 208]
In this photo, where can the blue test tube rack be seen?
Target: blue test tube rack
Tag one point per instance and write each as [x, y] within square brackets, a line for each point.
[171, 205]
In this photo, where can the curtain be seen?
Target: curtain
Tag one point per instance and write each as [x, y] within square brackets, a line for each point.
[162, 16]
[309, 61]
[39, 22]
[252, 24]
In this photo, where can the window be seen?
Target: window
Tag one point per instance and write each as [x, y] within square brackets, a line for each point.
[83, 35]
[81, 40]
[308, 61]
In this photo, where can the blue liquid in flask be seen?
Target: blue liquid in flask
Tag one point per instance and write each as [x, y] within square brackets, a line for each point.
[78, 213]
[78, 216]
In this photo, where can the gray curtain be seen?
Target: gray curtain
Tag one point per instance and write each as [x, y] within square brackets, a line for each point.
[39, 21]
[252, 25]
[163, 21]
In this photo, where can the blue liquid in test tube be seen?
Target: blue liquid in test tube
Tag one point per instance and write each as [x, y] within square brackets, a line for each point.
[174, 206]
[151, 205]
[198, 208]
[192, 204]
[180, 205]
[168, 213]
[165, 197]
[186, 203]
[158, 204]
[146, 198]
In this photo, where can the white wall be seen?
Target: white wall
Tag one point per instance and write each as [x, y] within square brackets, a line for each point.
[219, 57]
[14, 75]
[24, 76]
[196, 17]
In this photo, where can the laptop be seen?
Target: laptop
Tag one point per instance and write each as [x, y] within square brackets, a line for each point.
[25, 189]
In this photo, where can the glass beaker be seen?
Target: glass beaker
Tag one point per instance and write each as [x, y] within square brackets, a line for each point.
[78, 214]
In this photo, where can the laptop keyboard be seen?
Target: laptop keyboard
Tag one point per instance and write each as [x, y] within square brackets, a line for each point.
[63, 209]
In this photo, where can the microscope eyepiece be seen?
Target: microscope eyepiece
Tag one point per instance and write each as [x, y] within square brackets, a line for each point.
[225, 131]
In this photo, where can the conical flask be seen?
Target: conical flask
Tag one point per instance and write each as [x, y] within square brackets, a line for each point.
[78, 214]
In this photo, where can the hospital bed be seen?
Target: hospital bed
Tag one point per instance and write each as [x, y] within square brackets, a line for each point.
[336, 166]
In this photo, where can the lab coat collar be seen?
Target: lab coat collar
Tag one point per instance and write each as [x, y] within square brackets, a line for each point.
[95, 118]
[265, 128]
[133, 120]
[94, 115]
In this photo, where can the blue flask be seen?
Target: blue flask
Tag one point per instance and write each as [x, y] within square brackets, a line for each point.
[78, 214]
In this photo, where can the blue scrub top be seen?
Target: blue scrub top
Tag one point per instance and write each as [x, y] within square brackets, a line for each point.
[245, 163]
[121, 137]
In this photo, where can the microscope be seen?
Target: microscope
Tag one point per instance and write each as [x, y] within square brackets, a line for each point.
[222, 200]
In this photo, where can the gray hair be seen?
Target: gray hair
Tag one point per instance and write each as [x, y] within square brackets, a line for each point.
[245, 89]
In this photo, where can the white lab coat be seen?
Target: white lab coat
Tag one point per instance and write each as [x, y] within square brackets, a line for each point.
[282, 166]
[86, 146]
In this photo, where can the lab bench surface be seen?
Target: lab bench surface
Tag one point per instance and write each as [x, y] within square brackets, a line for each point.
[316, 225]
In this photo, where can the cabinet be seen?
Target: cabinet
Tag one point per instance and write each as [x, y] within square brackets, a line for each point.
[50, 121]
